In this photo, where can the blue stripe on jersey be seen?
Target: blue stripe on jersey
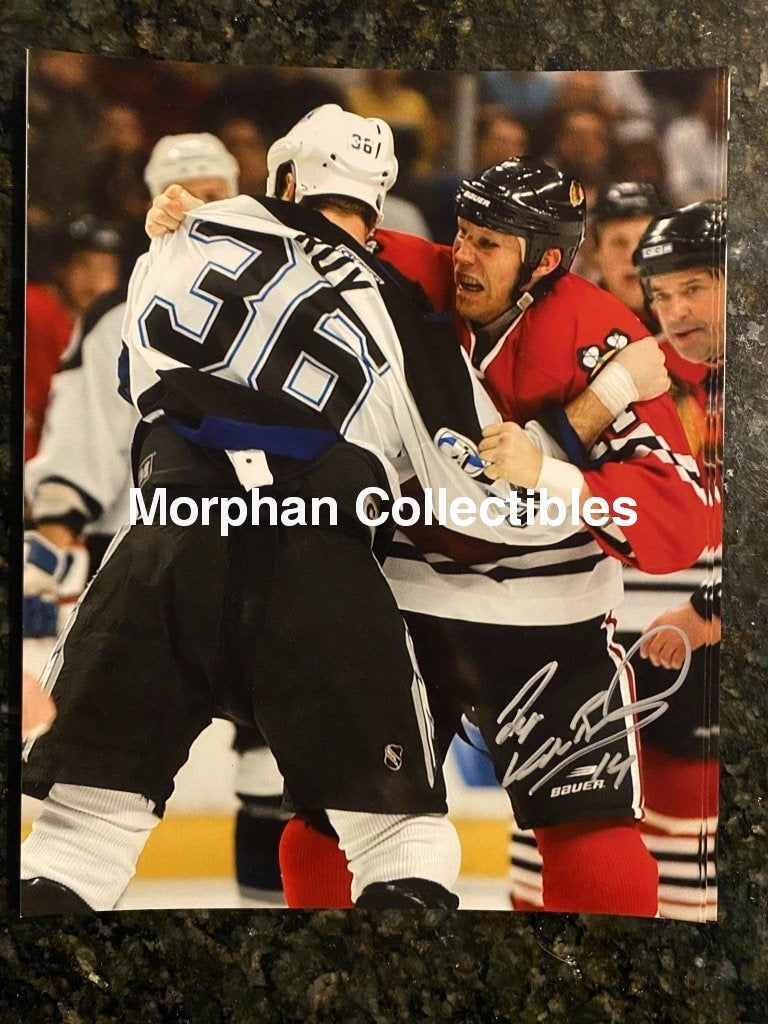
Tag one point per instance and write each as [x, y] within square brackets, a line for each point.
[299, 443]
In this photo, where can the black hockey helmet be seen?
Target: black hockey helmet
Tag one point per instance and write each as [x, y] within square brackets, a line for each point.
[693, 236]
[625, 200]
[527, 198]
[65, 238]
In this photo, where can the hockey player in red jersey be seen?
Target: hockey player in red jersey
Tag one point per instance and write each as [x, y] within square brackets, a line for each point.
[593, 855]
[681, 260]
[679, 766]
[554, 341]
[542, 339]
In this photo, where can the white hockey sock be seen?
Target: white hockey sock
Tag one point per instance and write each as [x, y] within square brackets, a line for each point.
[383, 847]
[89, 840]
[257, 773]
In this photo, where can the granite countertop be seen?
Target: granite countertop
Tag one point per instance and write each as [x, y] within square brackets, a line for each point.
[205, 967]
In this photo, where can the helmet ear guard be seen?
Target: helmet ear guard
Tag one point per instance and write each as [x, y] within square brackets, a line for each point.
[335, 152]
[692, 236]
[527, 198]
[178, 158]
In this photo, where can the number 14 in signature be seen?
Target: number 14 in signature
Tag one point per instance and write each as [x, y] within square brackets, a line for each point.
[584, 726]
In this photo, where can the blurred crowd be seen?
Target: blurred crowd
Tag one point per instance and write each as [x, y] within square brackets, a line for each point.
[93, 122]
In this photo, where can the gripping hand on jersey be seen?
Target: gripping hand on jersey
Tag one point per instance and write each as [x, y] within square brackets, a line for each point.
[49, 571]
[637, 373]
[516, 455]
[168, 210]
[510, 455]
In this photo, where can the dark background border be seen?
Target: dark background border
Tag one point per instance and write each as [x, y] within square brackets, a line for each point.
[240, 967]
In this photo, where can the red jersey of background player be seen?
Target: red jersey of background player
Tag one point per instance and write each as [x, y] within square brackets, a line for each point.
[697, 391]
[48, 329]
[544, 359]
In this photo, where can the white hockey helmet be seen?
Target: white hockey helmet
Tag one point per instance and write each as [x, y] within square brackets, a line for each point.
[177, 158]
[334, 152]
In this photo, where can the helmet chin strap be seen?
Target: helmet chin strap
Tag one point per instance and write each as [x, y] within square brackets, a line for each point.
[526, 295]
[523, 296]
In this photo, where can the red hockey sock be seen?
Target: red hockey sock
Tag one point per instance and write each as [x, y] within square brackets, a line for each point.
[518, 903]
[314, 869]
[680, 831]
[599, 866]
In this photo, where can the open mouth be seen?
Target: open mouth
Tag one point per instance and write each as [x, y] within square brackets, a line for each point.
[468, 284]
[686, 335]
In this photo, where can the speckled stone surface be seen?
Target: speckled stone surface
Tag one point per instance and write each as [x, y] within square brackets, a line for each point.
[237, 967]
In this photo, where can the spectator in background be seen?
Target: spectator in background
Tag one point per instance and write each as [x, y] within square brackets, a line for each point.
[245, 141]
[119, 193]
[272, 99]
[84, 263]
[673, 92]
[167, 95]
[499, 137]
[525, 94]
[583, 148]
[63, 109]
[439, 90]
[639, 156]
[384, 95]
[695, 146]
[578, 89]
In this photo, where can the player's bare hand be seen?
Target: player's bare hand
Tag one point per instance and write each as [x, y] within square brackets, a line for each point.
[666, 648]
[510, 455]
[37, 709]
[644, 361]
[168, 210]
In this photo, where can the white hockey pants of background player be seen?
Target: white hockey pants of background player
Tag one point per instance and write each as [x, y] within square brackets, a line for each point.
[90, 840]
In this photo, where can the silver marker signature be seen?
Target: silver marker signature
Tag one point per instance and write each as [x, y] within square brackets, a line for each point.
[525, 720]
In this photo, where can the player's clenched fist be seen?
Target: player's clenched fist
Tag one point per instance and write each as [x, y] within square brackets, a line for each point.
[168, 210]
[510, 455]
[644, 361]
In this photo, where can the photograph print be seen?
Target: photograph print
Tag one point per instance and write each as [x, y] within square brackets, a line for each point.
[372, 488]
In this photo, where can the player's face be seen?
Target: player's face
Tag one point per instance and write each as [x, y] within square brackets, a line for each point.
[613, 256]
[210, 190]
[690, 307]
[88, 275]
[486, 266]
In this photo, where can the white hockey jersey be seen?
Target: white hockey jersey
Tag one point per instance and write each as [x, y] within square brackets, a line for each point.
[82, 467]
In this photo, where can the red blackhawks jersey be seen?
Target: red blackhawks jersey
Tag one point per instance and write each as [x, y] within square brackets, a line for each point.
[697, 390]
[545, 358]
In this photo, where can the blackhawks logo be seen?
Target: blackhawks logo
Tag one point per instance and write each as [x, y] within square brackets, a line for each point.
[594, 357]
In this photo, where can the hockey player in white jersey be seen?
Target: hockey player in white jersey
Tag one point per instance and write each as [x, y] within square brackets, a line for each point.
[77, 487]
[249, 364]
